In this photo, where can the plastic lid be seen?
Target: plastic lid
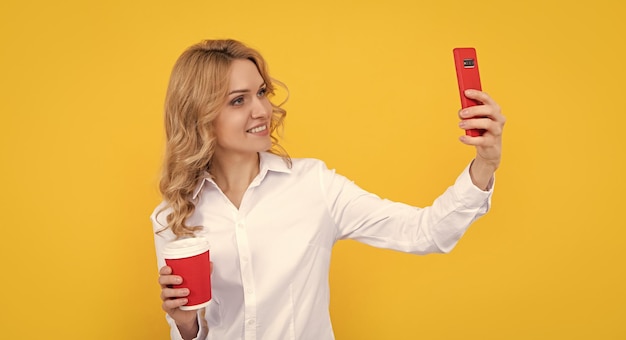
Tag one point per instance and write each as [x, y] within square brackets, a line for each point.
[185, 247]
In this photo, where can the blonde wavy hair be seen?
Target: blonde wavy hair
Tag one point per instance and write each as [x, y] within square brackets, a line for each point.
[197, 91]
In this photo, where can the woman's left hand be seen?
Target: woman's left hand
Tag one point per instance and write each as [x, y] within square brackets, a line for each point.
[488, 118]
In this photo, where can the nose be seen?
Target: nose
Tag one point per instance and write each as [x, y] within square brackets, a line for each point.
[261, 108]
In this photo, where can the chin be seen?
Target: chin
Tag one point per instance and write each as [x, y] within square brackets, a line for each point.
[267, 146]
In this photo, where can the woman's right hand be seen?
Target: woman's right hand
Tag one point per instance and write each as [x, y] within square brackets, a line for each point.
[173, 298]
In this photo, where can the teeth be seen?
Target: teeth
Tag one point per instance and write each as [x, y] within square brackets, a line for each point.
[258, 129]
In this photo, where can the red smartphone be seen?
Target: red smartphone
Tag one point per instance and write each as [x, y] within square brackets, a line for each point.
[467, 77]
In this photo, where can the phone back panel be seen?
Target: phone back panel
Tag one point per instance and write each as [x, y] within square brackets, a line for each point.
[467, 73]
[468, 77]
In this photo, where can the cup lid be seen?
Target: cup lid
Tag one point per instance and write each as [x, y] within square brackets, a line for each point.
[185, 247]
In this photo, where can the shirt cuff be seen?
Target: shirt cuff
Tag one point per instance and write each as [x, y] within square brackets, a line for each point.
[469, 194]
[203, 330]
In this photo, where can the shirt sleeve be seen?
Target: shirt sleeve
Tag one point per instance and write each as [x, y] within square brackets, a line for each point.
[367, 218]
[160, 239]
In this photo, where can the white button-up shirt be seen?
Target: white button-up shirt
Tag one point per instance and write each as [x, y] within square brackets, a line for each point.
[271, 257]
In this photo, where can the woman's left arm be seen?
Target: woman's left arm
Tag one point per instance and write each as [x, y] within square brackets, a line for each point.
[489, 145]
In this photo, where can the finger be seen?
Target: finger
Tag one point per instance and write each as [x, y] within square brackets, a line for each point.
[165, 270]
[474, 141]
[170, 280]
[486, 124]
[493, 112]
[168, 305]
[480, 96]
[477, 140]
[171, 293]
[488, 108]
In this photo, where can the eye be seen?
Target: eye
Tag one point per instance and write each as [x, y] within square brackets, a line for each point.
[237, 101]
[262, 92]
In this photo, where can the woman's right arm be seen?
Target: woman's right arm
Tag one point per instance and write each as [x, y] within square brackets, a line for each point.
[183, 324]
[173, 298]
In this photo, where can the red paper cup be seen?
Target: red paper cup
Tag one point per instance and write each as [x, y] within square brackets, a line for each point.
[189, 258]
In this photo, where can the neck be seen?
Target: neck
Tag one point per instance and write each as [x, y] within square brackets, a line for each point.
[234, 172]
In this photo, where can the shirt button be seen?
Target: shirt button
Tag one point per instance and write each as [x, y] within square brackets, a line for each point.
[251, 322]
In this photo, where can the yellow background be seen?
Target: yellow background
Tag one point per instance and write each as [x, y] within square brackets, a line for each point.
[373, 93]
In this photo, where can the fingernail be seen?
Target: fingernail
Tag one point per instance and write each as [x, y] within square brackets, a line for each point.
[178, 280]
[462, 123]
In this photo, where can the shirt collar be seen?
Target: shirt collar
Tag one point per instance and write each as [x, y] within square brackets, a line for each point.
[268, 162]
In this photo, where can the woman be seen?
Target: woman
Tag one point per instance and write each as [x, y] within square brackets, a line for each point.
[272, 221]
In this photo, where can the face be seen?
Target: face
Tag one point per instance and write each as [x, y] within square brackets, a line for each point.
[243, 124]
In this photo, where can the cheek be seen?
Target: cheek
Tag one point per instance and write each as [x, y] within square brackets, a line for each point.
[222, 127]
[217, 125]
[226, 120]
[267, 105]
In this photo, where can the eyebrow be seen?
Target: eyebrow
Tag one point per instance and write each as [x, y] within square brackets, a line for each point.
[244, 90]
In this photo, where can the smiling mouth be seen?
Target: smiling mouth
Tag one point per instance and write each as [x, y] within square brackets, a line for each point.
[258, 129]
